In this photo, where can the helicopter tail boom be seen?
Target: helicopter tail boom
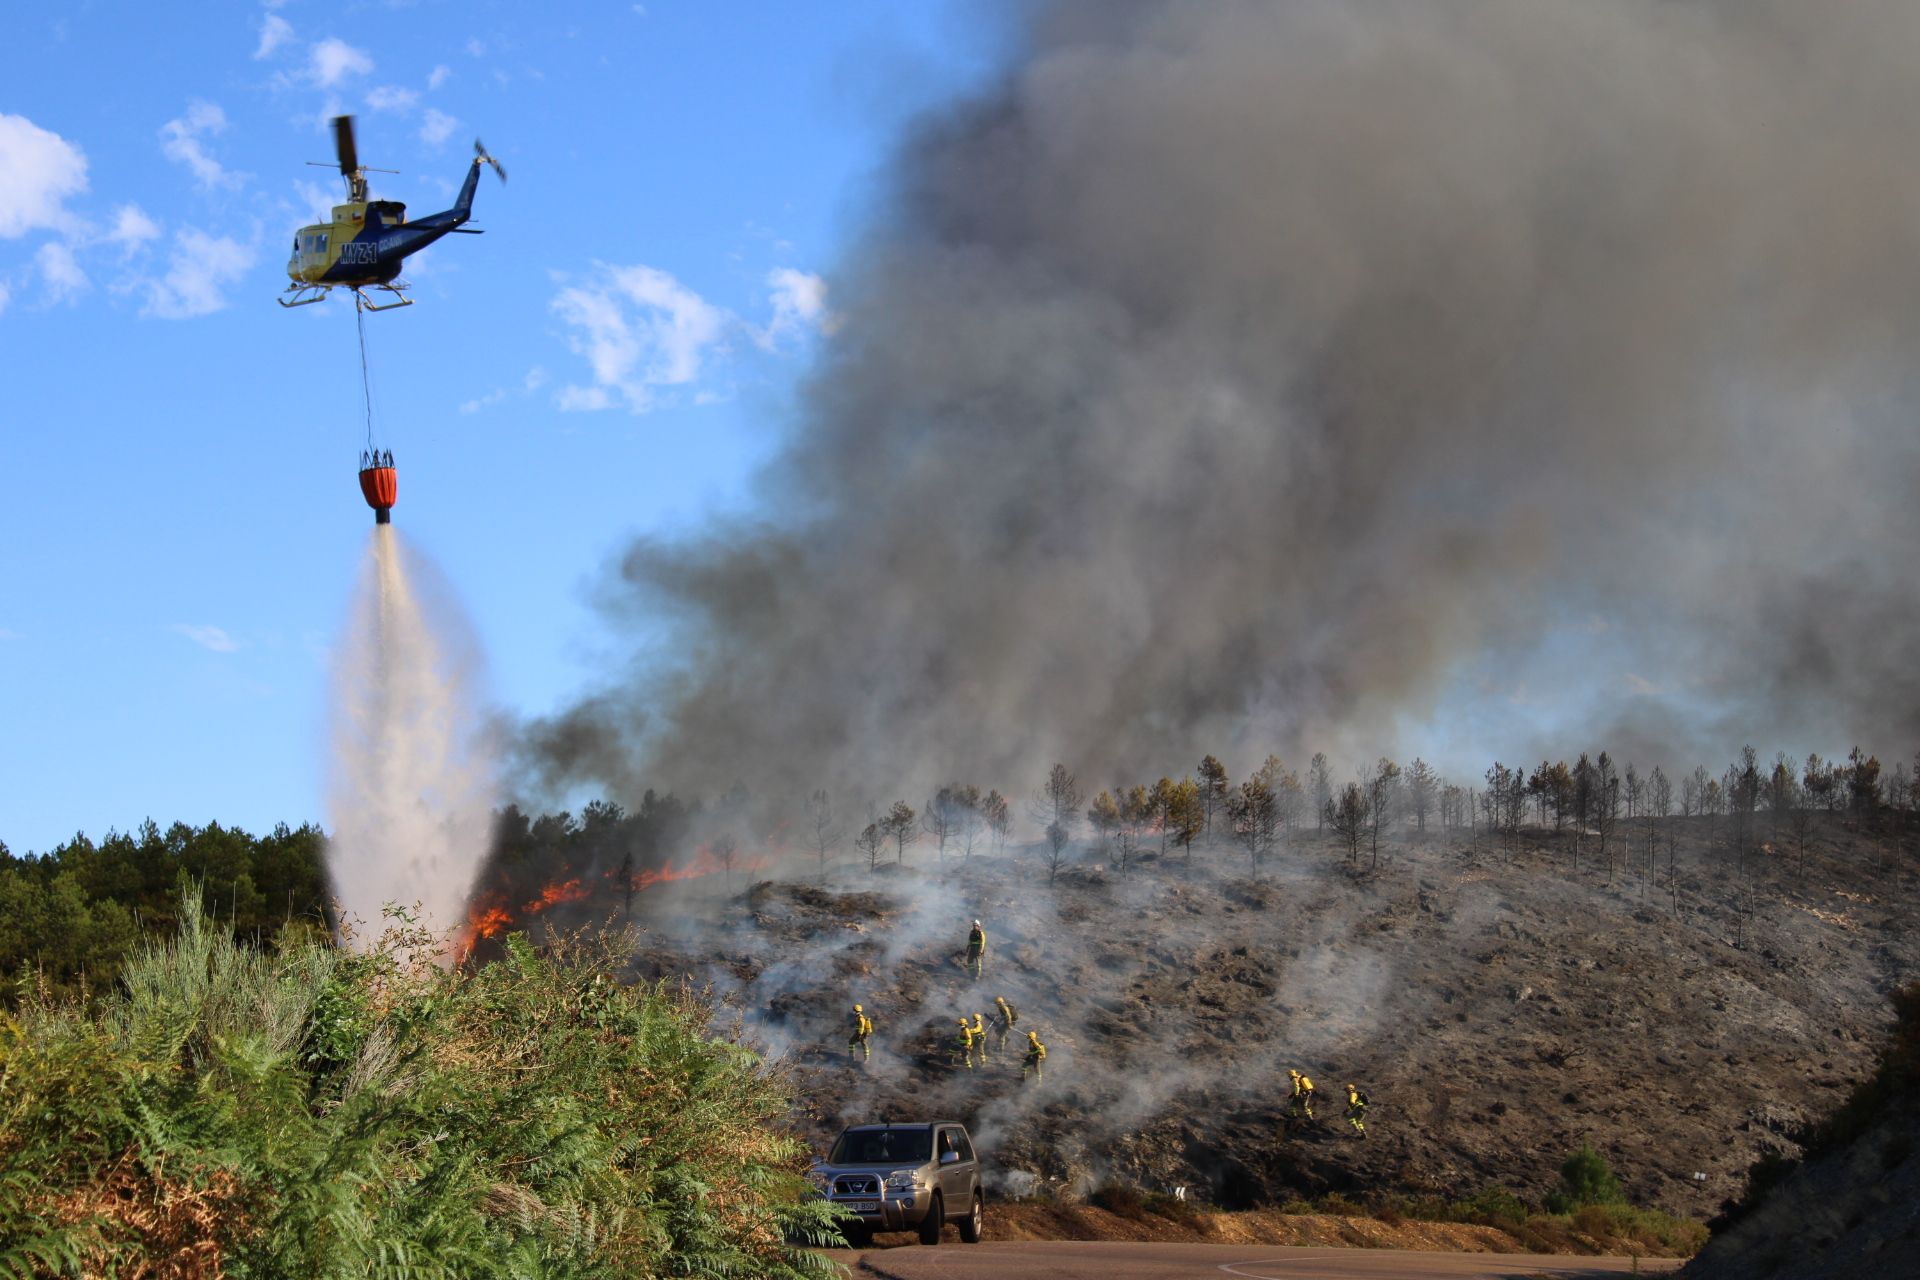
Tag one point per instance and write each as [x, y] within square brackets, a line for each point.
[463, 204]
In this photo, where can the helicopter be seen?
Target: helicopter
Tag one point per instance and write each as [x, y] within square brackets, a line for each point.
[365, 245]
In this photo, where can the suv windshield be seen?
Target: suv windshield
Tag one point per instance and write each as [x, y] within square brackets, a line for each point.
[895, 1145]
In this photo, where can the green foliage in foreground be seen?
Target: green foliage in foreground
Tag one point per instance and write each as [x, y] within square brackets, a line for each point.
[316, 1113]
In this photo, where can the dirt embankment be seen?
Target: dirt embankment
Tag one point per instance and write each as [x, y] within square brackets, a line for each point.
[1245, 1227]
[1032, 1221]
[1256, 1226]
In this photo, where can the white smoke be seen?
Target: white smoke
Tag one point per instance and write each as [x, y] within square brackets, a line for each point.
[413, 767]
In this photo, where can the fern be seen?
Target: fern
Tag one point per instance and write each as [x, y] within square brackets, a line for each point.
[324, 1114]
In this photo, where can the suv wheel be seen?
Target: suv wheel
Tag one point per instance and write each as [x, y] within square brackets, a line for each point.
[971, 1225]
[935, 1219]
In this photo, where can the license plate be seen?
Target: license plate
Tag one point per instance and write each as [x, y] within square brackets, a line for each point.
[863, 1206]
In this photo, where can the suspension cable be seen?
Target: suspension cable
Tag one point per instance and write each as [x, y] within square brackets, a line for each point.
[366, 379]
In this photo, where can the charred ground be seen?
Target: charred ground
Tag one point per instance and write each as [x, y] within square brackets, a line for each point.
[1499, 1007]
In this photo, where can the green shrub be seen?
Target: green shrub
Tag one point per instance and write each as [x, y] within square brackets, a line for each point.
[1616, 1226]
[319, 1114]
[1585, 1180]
[1492, 1207]
[1595, 1220]
[1180, 1211]
[1335, 1203]
[1122, 1199]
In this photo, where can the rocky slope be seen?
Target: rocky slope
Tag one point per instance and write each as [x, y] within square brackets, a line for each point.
[1498, 1007]
[1853, 1208]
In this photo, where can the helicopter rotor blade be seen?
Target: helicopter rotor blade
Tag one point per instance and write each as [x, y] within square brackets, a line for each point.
[480, 150]
[343, 145]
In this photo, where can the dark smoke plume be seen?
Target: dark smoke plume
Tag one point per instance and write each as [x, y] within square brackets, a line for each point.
[1230, 374]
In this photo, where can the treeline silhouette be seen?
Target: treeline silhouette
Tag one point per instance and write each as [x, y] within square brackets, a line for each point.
[70, 917]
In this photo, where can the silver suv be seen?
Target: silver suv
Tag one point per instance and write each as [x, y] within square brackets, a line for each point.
[904, 1177]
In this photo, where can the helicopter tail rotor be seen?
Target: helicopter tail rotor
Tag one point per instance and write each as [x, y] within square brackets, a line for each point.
[481, 154]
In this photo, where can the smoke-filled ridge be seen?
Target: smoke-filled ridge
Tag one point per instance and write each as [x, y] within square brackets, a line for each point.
[1240, 373]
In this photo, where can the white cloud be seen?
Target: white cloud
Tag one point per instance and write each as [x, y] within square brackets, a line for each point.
[333, 60]
[436, 127]
[180, 140]
[61, 272]
[640, 330]
[583, 399]
[438, 76]
[207, 636]
[536, 378]
[6, 295]
[132, 228]
[799, 303]
[7, 633]
[391, 97]
[202, 267]
[476, 47]
[41, 169]
[319, 200]
[274, 32]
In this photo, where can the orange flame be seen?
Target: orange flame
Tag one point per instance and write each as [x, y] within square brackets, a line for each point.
[555, 894]
[489, 923]
[493, 918]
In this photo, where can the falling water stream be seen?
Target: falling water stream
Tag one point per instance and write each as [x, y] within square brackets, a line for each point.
[413, 770]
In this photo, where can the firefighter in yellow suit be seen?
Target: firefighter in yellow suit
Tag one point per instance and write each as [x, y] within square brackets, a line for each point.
[860, 1032]
[1034, 1068]
[1005, 1018]
[1301, 1104]
[963, 1045]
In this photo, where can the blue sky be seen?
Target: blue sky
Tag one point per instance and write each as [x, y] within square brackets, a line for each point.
[613, 356]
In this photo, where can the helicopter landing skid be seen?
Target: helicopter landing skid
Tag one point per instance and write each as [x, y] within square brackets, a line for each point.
[400, 299]
[305, 294]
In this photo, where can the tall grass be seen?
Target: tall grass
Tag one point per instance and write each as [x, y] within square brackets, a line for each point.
[1613, 1226]
[317, 1113]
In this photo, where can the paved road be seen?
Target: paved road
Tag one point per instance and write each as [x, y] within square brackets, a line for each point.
[1077, 1260]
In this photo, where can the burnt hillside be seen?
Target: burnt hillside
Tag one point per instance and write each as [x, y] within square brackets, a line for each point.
[1498, 1007]
[1852, 1209]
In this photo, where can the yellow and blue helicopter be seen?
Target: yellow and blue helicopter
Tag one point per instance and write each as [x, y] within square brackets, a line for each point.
[368, 240]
